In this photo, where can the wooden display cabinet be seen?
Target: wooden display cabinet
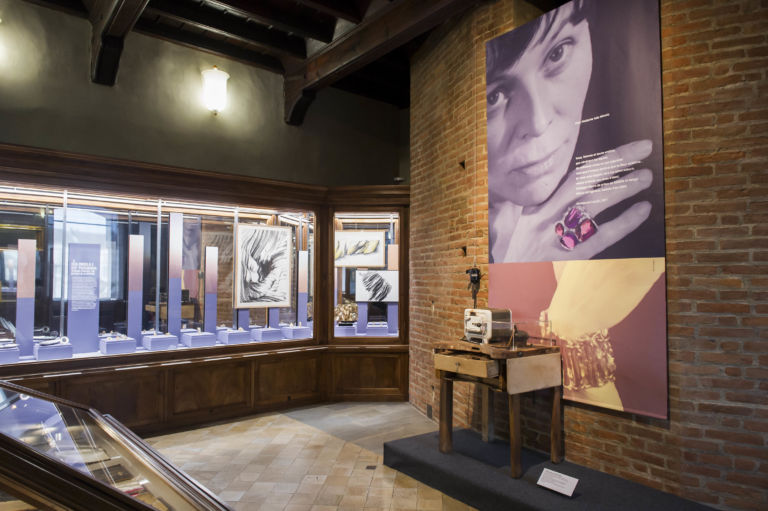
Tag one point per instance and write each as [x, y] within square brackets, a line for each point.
[158, 391]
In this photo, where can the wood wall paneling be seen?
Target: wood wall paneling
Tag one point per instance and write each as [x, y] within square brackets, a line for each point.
[369, 376]
[283, 380]
[133, 397]
[208, 387]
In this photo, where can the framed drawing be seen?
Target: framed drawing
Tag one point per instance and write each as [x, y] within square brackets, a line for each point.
[263, 266]
[359, 249]
[376, 286]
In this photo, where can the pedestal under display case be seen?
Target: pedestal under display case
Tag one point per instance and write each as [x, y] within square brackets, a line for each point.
[55, 454]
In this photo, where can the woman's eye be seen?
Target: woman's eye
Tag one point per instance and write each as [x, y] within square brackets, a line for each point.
[495, 97]
[556, 54]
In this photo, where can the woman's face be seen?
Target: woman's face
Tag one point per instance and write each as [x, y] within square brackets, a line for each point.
[534, 112]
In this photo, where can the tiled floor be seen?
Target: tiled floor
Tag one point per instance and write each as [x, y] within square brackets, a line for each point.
[316, 458]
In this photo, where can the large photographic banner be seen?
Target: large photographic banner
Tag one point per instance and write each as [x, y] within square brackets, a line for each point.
[575, 195]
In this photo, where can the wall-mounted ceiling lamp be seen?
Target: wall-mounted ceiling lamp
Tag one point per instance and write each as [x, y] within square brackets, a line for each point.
[215, 89]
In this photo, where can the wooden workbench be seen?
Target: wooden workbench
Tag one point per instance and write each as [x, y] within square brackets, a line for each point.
[500, 369]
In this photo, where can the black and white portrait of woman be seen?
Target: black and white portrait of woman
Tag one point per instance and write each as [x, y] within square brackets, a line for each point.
[263, 266]
[574, 135]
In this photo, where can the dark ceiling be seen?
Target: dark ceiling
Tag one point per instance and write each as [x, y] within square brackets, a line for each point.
[361, 46]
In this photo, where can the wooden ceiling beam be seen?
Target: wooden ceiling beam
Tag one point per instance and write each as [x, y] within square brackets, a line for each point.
[281, 20]
[213, 20]
[362, 45]
[111, 20]
[343, 9]
[198, 42]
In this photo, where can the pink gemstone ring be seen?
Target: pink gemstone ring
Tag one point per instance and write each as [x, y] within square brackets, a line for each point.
[577, 227]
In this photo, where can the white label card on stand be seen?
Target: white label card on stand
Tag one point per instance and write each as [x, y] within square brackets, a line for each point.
[558, 482]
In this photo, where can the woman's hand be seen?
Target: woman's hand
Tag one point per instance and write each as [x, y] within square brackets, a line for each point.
[532, 228]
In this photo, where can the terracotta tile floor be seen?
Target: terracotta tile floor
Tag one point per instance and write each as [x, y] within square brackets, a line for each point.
[316, 458]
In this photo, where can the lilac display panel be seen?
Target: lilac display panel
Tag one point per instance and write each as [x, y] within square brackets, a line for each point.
[274, 317]
[303, 288]
[243, 318]
[83, 297]
[362, 317]
[211, 283]
[392, 317]
[25, 296]
[135, 284]
[175, 248]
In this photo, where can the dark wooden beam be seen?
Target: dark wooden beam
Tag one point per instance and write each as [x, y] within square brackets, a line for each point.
[111, 20]
[362, 45]
[217, 22]
[279, 19]
[343, 9]
[73, 7]
[216, 47]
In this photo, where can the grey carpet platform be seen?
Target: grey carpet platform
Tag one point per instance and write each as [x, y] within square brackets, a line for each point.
[476, 473]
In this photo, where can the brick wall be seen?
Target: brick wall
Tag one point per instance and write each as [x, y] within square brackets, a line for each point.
[714, 447]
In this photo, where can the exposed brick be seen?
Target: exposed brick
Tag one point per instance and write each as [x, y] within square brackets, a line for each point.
[716, 183]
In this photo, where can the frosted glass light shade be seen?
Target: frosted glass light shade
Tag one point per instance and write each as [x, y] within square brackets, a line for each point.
[215, 89]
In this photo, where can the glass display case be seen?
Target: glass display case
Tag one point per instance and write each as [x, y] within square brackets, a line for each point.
[366, 277]
[64, 456]
[95, 274]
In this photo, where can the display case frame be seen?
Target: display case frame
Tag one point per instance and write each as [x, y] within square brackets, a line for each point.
[43, 481]
[313, 370]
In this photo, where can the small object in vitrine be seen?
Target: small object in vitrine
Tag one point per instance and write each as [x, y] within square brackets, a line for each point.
[113, 474]
[296, 332]
[8, 343]
[160, 342]
[267, 334]
[230, 336]
[198, 339]
[53, 349]
[240, 329]
[199, 330]
[51, 342]
[120, 344]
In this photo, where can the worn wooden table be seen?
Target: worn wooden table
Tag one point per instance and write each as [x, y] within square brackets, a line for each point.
[499, 369]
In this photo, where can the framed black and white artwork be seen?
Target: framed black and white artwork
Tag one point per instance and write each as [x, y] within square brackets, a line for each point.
[376, 286]
[359, 249]
[263, 266]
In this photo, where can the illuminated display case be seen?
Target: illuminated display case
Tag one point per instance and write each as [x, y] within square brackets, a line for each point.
[115, 212]
[88, 275]
[59, 455]
[366, 259]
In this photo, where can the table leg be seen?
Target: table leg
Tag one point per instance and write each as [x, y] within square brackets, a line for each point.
[556, 432]
[515, 440]
[486, 419]
[446, 414]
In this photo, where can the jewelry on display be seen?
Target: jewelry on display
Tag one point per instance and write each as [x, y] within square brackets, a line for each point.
[577, 227]
[588, 361]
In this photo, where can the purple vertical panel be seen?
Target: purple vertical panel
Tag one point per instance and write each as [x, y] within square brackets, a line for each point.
[274, 317]
[301, 314]
[211, 282]
[25, 296]
[135, 284]
[362, 317]
[175, 247]
[303, 288]
[392, 318]
[83, 297]
[243, 318]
